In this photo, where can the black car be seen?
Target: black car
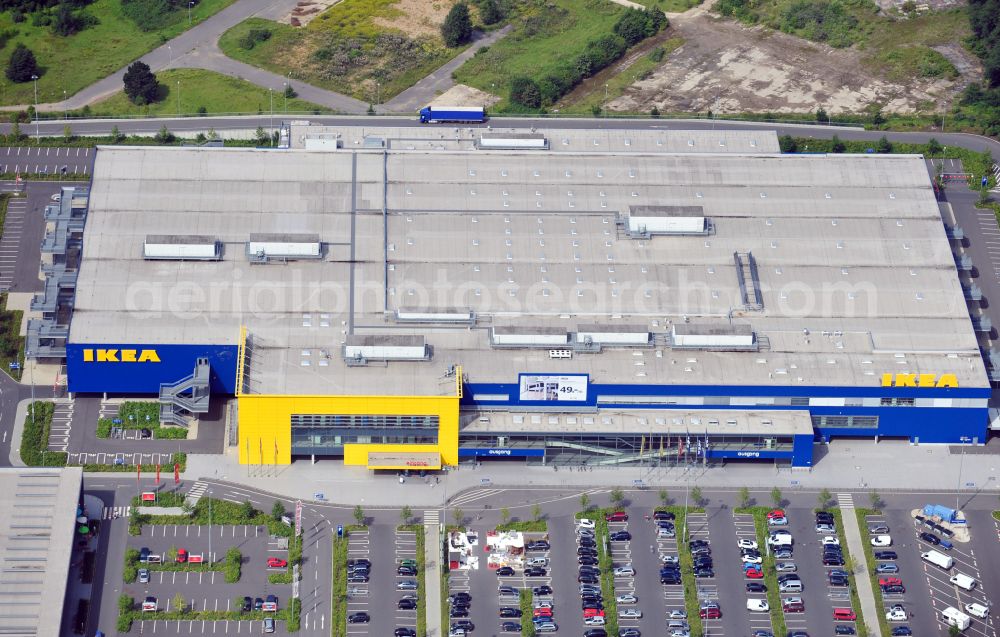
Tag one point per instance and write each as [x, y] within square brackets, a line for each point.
[587, 579]
[592, 605]
[145, 434]
[885, 555]
[702, 561]
[458, 611]
[833, 560]
[538, 545]
[756, 587]
[359, 562]
[671, 580]
[507, 590]
[464, 607]
[694, 543]
[704, 572]
[587, 560]
[258, 603]
[663, 515]
[930, 538]
[587, 550]
[510, 627]
[406, 571]
[665, 524]
[358, 618]
[596, 632]
[508, 611]
[586, 542]
[843, 629]
[247, 605]
[838, 580]
[505, 571]
[357, 579]
[463, 624]
[620, 536]
[789, 577]
[408, 603]
[457, 598]
[542, 590]
[897, 589]
[535, 571]
[404, 632]
[901, 631]
[701, 550]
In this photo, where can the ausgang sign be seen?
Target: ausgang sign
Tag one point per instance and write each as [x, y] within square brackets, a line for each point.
[919, 380]
[120, 356]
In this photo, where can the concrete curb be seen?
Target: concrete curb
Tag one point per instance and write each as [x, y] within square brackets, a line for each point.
[16, 432]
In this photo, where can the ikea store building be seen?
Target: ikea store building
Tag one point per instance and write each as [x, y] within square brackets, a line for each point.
[614, 298]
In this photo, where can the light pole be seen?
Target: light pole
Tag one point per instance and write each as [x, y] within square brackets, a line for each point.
[178, 98]
[270, 93]
[605, 100]
[34, 78]
[961, 461]
[209, 526]
[65, 114]
[170, 52]
[286, 97]
[190, 4]
[378, 92]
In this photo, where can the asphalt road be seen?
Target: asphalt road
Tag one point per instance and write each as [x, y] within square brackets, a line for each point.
[976, 143]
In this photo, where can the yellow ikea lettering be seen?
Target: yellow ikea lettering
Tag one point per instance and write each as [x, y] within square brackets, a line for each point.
[120, 356]
[919, 380]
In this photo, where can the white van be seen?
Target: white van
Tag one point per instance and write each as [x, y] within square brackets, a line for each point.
[780, 539]
[977, 610]
[790, 586]
[963, 581]
[938, 559]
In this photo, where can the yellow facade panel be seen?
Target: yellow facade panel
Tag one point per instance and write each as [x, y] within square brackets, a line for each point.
[265, 424]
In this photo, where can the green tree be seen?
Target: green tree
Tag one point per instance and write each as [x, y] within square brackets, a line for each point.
[875, 499]
[954, 631]
[125, 604]
[67, 133]
[821, 116]
[359, 514]
[654, 112]
[458, 515]
[744, 497]
[776, 496]
[883, 145]
[664, 497]
[277, 511]
[22, 64]
[178, 603]
[67, 21]
[536, 512]
[787, 144]
[15, 131]
[116, 135]
[934, 146]
[141, 85]
[261, 136]
[696, 496]
[524, 92]
[172, 554]
[878, 119]
[823, 499]
[617, 497]
[164, 136]
[247, 511]
[489, 11]
[290, 92]
[584, 501]
[504, 516]
[836, 145]
[457, 26]
[595, 110]
[405, 514]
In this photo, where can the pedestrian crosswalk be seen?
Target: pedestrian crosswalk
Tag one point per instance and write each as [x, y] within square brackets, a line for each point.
[432, 517]
[473, 495]
[111, 513]
[996, 173]
[196, 492]
[845, 501]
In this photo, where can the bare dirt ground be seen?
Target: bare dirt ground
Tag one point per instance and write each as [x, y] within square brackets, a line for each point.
[728, 68]
[462, 95]
[419, 17]
[305, 11]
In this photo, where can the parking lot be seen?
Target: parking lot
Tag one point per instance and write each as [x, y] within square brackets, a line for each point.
[45, 161]
[359, 597]
[208, 590]
[746, 530]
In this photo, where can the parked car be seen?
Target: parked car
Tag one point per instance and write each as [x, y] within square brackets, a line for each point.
[758, 605]
[756, 587]
[507, 591]
[149, 604]
[510, 627]
[143, 575]
[542, 590]
[901, 631]
[585, 523]
[778, 521]
[268, 625]
[785, 567]
[587, 560]
[754, 573]
[930, 538]
[627, 599]
[885, 555]
[710, 613]
[746, 544]
[663, 515]
[406, 585]
[793, 605]
[276, 562]
[775, 513]
[825, 528]
[896, 614]
[882, 540]
[886, 567]
[620, 536]
[624, 571]
[629, 613]
[358, 618]
[505, 571]
[616, 516]
[538, 545]
[844, 629]
[830, 541]
[404, 632]
[406, 571]
[509, 611]
[535, 571]
[878, 529]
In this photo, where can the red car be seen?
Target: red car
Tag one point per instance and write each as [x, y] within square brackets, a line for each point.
[777, 513]
[616, 516]
[543, 612]
[844, 614]
[274, 562]
[710, 613]
[182, 556]
[754, 573]
[889, 581]
[592, 612]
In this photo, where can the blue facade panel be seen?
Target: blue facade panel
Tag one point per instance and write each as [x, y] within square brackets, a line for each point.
[498, 452]
[90, 370]
[750, 454]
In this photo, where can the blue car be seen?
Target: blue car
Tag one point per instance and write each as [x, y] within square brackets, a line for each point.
[901, 631]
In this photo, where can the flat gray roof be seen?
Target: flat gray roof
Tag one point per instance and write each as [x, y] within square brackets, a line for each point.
[645, 421]
[38, 509]
[857, 277]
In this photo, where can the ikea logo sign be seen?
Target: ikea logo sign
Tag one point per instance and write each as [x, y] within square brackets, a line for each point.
[919, 380]
[120, 356]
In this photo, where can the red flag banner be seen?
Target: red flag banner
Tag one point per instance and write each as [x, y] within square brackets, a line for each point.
[157, 475]
[177, 473]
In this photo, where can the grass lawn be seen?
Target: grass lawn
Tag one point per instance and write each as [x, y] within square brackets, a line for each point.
[215, 92]
[345, 50]
[72, 63]
[616, 85]
[545, 37]
[11, 342]
[670, 6]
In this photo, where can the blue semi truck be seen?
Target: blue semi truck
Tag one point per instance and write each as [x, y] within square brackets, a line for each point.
[470, 114]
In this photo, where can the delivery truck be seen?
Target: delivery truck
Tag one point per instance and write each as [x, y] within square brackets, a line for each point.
[951, 616]
[939, 560]
[464, 114]
[964, 581]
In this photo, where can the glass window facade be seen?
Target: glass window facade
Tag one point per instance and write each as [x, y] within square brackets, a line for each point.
[856, 422]
[326, 434]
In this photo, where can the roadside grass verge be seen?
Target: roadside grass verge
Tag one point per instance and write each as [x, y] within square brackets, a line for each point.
[338, 616]
[860, 624]
[445, 591]
[197, 91]
[69, 64]
[11, 341]
[526, 605]
[418, 531]
[35, 437]
[872, 575]
[605, 564]
[224, 512]
[759, 514]
[996, 516]
[140, 415]
[546, 37]
[525, 526]
[616, 86]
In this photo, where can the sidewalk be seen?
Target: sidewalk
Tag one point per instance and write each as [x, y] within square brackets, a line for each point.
[855, 544]
[855, 465]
